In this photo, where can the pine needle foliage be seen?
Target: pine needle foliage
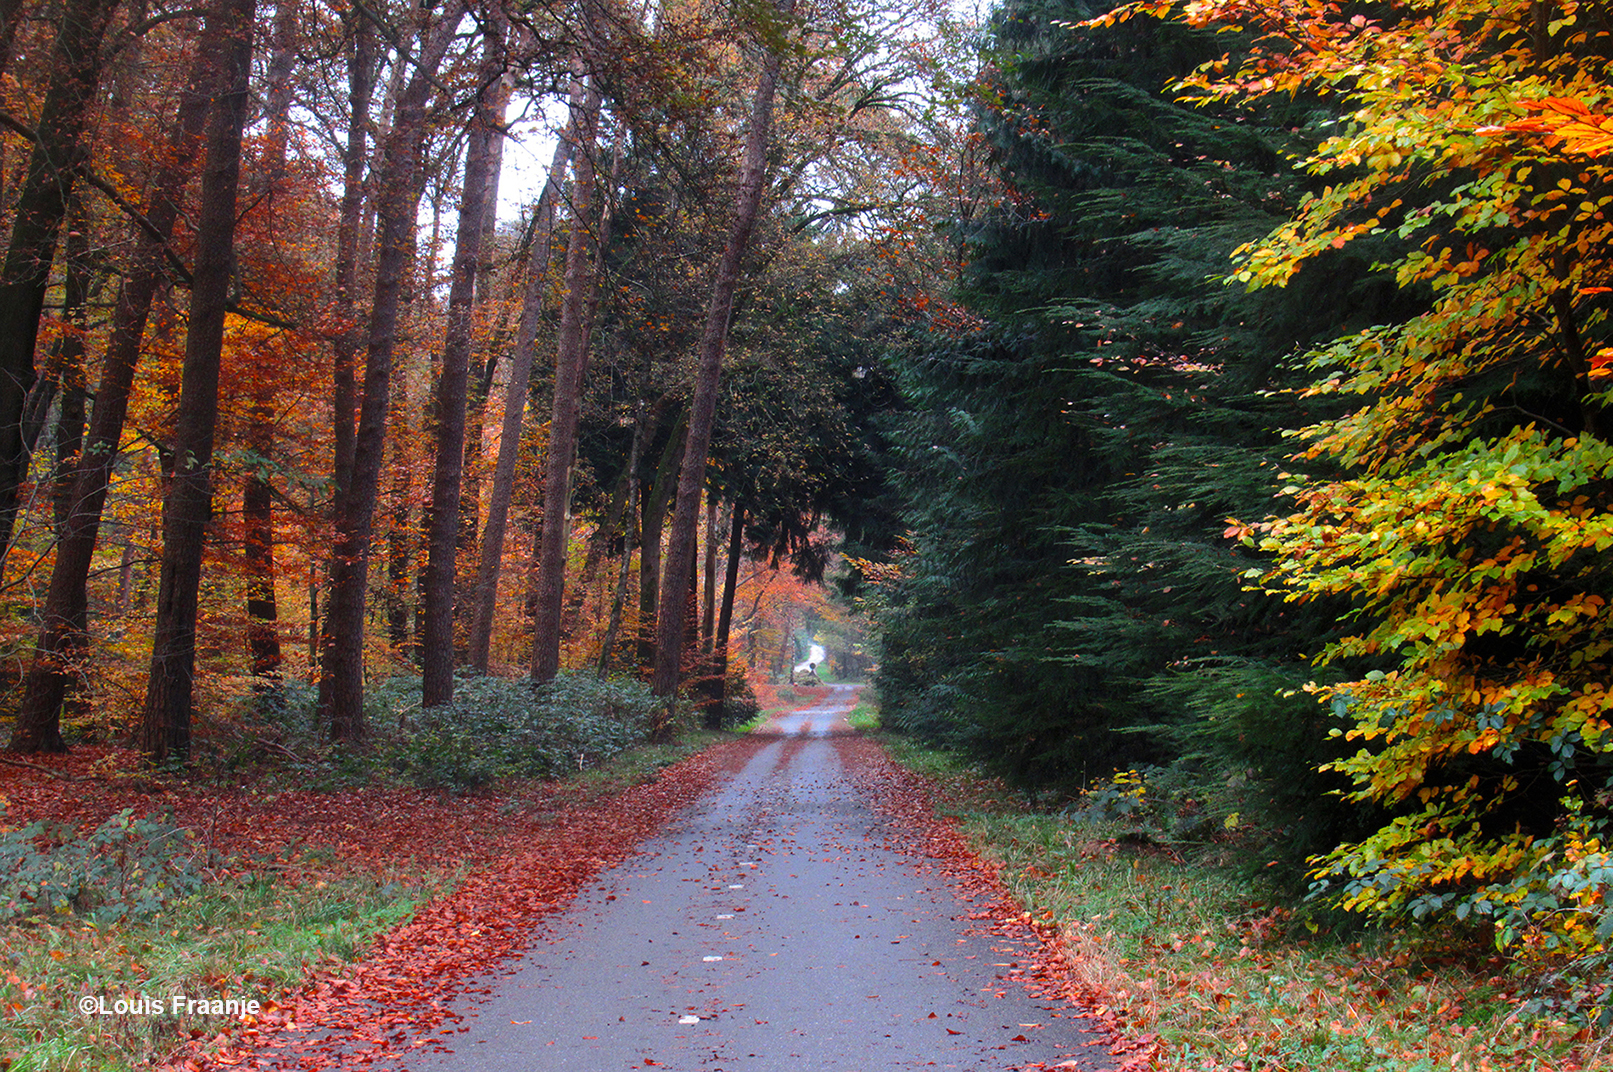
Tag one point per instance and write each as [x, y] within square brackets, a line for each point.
[1074, 603]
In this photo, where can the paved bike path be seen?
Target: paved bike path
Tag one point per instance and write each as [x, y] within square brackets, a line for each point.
[773, 927]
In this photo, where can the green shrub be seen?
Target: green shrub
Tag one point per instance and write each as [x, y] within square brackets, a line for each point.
[126, 868]
[494, 728]
[739, 699]
[498, 728]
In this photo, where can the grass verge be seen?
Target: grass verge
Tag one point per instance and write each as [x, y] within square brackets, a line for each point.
[1188, 949]
[246, 938]
[864, 718]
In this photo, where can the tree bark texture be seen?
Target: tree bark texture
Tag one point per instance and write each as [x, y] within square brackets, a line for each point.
[257, 493]
[708, 595]
[607, 650]
[652, 524]
[58, 153]
[165, 721]
[345, 347]
[437, 654]
[401, 539]
[515, 395]
[485, 369]
[725, 616]
[71, 388]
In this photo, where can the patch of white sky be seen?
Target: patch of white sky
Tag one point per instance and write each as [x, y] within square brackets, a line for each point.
[528, 152]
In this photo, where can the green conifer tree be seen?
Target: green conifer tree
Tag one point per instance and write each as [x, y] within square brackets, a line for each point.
[1074, 604]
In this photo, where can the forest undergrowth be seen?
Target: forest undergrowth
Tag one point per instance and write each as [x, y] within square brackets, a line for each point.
[1185, 943]
[314, 885]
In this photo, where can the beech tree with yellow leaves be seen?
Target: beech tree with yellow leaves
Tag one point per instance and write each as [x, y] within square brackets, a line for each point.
[1471, 506]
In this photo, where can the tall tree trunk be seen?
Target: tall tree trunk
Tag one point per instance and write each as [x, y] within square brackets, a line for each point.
[165, 722]
[360, 41]
[401, 539]
[257, 494]
[468, 532]
[470, 502]
[571, 608]
[652, 526]
[58, 153]
[708, 608]
[257, 524]
[62, 639]
[635, 454]
[725, 617]
[571, 367]
[349, 222]
[703, 404]
[486, 128]
[652, 523]
[693, 658]
[418, 543]
[69, 362]
[342, 684]
[509, 444]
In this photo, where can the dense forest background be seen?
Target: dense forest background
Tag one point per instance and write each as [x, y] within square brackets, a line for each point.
[1198, 403]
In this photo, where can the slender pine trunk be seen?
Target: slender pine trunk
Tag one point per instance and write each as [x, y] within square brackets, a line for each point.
[360, 42]
[349, 340]
[401, 539]
[652, 523]
[470, 501]
[257, 494]
[342, 665]
[613, 631]
[708, 604]
[515, 395]
[725, 617]
[571, 369]
[69, 361]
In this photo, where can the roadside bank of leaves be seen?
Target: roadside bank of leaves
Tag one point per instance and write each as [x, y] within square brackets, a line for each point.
[250, 939]
[1029, 941]
[170, 887]
[1189, 952]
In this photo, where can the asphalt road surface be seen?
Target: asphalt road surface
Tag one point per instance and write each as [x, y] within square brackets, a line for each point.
[773, 927]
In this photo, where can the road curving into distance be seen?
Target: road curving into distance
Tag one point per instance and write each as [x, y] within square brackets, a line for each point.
[775, 926]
